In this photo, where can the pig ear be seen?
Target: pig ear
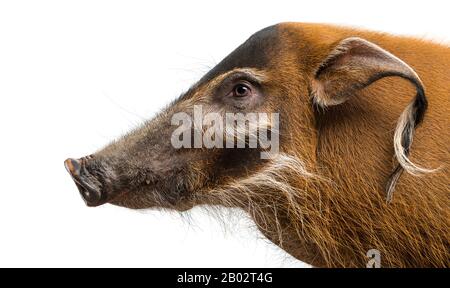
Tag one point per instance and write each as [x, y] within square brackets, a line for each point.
[355, 64]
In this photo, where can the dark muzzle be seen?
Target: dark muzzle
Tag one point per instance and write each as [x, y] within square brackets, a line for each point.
[89, 186]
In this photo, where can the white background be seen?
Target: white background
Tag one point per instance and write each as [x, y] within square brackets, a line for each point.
[76, 74]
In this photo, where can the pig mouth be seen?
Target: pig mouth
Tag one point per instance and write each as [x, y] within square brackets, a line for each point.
[89, 187]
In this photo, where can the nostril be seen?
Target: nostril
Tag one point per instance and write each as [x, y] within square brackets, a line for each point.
[73, 167]
[88, 185]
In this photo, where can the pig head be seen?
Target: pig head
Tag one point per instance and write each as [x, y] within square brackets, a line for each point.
[144, 170]
[283, 70]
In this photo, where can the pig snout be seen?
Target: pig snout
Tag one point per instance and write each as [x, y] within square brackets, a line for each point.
[87, 182]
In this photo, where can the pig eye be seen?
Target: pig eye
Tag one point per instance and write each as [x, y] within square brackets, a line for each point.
[242, 90]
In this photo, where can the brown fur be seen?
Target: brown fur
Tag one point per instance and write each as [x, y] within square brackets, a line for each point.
[323, 199]
[354, 148]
